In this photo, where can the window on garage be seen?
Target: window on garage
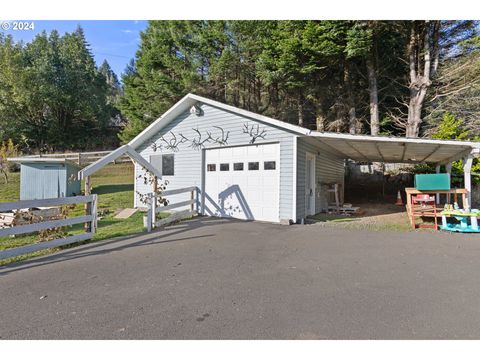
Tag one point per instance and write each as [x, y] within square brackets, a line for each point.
[168, 164]
[253, 165]
[165, 163]
[211, 167]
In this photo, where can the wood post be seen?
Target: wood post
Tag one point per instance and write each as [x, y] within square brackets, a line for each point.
[88, 205]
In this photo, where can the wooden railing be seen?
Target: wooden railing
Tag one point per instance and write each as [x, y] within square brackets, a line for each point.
[83, 158]
[89, 219]
[153, 210]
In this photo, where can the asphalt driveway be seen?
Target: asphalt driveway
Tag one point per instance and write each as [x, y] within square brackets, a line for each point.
[222, 279]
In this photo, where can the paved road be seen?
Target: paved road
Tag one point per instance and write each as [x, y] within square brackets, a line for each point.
[219, 279]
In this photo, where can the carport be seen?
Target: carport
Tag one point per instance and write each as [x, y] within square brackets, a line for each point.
[403, 150]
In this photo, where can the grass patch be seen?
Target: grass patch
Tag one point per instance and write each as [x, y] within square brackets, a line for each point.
[10, 191]
[114, 186]
[332, 218]
[396, 222]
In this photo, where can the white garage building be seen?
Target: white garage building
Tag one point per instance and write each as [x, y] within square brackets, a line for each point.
[249, 166]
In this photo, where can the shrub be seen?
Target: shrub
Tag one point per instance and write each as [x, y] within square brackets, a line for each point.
[7, 149]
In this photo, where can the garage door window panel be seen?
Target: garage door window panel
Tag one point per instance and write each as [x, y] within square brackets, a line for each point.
[253, 165]
[224, 167]
[238, 166]
[269, 165]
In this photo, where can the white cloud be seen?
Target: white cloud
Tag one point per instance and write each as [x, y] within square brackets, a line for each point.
[127, 31]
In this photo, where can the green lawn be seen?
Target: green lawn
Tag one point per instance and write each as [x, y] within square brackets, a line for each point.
[114, 186]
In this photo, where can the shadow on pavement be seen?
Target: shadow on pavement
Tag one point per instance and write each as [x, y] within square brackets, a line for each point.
[117, 244]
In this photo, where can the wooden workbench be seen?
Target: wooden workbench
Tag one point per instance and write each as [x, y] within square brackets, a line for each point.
[413, 191]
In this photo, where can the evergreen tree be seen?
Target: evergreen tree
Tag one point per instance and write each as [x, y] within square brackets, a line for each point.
[53, 92]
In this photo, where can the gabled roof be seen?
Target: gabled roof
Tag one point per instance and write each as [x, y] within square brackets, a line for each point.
[191, 99]
[112, 156]
[355, 147]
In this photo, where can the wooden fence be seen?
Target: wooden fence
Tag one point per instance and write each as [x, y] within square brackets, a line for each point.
[83, 158]
[153, 210]
[89, 219]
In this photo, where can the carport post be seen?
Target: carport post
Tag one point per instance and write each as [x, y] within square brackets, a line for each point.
[448, 169]
[467, 168]
[437, 170]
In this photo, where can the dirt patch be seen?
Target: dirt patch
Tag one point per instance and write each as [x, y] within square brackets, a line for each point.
[371, 216]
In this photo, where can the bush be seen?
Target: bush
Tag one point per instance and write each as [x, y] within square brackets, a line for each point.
[7, 149]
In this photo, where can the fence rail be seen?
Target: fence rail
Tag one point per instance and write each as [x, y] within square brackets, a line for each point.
[83, 158]
[153, 210]
[89, 219]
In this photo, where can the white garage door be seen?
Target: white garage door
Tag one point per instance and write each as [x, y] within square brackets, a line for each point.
[243, 182]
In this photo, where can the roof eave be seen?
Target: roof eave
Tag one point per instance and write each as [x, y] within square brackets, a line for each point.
[189, 100]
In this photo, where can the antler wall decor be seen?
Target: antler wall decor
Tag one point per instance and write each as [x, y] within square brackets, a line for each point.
[156, 146]
[223, 139]
[199, 143]
[254, 132]
[173, 143]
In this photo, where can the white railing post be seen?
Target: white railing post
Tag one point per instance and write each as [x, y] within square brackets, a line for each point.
[149, 214]
[192, 197]
[154, 210]
[94, 213]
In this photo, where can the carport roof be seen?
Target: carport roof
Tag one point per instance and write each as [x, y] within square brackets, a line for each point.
[395, 149]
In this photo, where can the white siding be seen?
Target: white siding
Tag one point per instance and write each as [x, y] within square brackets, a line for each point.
[328, 169]
[188, 161]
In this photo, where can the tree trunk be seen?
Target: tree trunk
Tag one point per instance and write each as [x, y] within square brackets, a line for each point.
[352, 116]
[300, 110]
[320, 120]
[415, 106]
[422, 38]
[374, 115]
[373, 89]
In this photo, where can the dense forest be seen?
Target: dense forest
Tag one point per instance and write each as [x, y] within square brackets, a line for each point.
[403, 78]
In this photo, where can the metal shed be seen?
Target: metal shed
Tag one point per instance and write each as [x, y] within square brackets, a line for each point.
[45, 178]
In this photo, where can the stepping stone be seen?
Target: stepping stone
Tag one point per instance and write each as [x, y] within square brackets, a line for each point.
[125, 213]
